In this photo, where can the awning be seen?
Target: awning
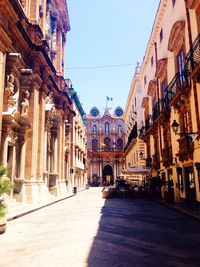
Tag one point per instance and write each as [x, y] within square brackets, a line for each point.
[135, 170]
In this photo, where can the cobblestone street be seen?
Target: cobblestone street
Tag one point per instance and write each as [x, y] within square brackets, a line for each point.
[86, 230]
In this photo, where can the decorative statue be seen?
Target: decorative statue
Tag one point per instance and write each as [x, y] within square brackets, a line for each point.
[10, 96]
[49, 98]
[25, 103]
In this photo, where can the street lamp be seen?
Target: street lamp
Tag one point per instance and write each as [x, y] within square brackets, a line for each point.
[192, 135]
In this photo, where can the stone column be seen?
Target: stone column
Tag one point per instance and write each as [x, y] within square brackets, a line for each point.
[55, 155]
[22, 154]
[32, 135]
[41, 130]
[4, 149]
[45, 152]
[2, 79]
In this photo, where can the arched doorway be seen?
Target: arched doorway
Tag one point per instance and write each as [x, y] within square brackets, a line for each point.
[108, 175]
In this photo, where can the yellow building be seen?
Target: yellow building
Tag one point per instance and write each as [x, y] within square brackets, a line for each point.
[170, 84]
[35, 102]
[78, 141]
[135, 147]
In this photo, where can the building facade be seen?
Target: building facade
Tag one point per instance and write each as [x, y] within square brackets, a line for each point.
[105, 145]
[35, 101]
[170, 84]
[78, 167]
[135, 149]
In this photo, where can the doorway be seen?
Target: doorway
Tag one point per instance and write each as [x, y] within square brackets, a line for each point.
[108, 175]
[190, 184]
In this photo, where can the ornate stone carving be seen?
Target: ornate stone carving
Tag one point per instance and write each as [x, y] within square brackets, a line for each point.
[25, 103]
[49, 98]
[10, 93]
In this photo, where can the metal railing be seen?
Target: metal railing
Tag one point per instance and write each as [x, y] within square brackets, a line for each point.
[193, 56]
[158, 108]
[177, 84]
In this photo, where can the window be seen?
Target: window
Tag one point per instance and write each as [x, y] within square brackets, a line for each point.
[161, 35]
[106, 127]
[119, 129]
[120, 144]
[152, 61]
[107, 143]
[163, 88]
[145, 80]
[180, 65]
[173, 2]
[94, 130]
[94, 144]
[180, 178]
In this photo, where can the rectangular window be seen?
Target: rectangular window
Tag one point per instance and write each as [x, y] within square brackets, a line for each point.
[163, 87]
[145, 80]
[180, 178]
[161, 35]
[181, 65]
[152, 61]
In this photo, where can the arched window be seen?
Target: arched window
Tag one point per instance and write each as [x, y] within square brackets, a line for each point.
[106, 127]
[119, 129]
[94, 144]
[107, 142]
[120, 144]
[94, 129]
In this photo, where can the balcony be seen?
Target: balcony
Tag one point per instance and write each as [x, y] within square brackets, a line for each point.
[186, 148]
[167, 157]
[158, 109]
[193, 59]
[176, 86]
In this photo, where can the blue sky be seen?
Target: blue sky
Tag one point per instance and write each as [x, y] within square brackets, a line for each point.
[106, 33]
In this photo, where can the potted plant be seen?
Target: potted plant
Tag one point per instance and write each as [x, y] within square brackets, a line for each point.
[5, 188]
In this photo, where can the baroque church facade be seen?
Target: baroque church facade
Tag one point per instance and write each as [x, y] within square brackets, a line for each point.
[36, 107]
[105, 145]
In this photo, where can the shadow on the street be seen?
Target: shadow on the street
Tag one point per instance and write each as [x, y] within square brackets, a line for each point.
[141, 233]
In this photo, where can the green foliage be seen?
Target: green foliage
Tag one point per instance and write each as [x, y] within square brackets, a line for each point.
[5, 187]
[2, 171]
[3, 210]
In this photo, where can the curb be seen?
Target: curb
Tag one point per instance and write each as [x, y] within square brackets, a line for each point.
[11, 218]
[23, 213]
[196, 217]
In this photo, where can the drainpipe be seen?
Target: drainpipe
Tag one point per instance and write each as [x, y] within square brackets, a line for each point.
[192, 63]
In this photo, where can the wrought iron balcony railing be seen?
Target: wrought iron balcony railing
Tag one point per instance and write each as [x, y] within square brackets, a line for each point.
[158, 108]
[193, 56]
[178, 83]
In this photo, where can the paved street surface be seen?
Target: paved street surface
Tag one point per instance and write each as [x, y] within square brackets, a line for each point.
[86, 230]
